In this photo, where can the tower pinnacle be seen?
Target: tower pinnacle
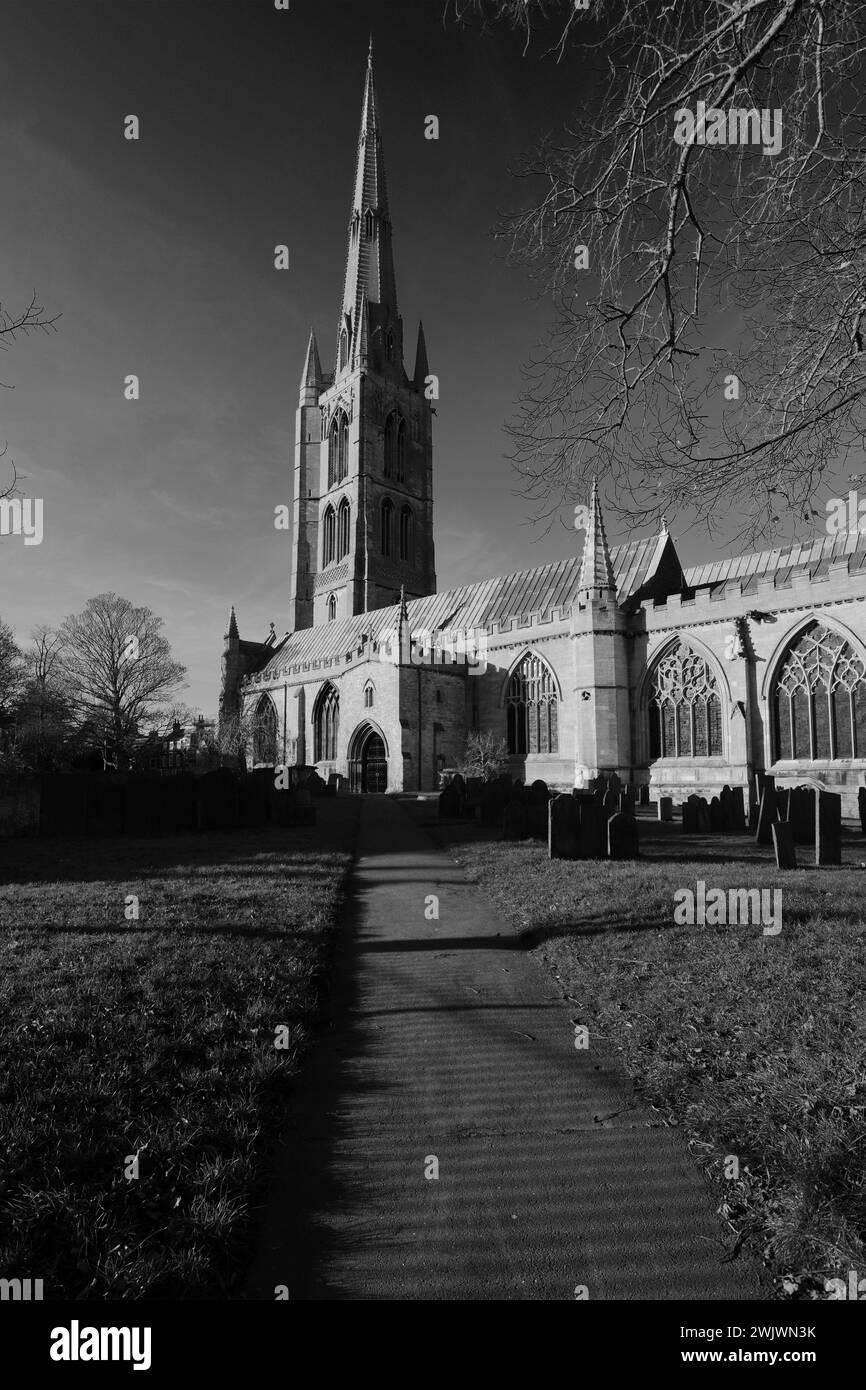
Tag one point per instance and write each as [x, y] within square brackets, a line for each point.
[596, 570]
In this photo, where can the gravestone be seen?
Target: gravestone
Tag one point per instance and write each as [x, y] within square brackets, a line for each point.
[861, 807]
[717, 819]
[767, 813]
[563, 828]
[665, 807]
[593, 831]
[536, 819]
[538, 793]
[459, 786]
[492, 804]
[726, 802]
[610, 804]
[828, 828]
[783, 845]
[316, 785]
[627, 800]
[305, 811]
[518, 791]
[801, 814]
[783, 803]
[622, 837]
[614, 784]
[738, 810]
[644, 794]
[690, 816]
[514, 820]
[449, 803]
[704, 823]
[474, 788]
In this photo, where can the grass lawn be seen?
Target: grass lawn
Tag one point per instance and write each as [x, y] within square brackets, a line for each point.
[754, 1045]
[154, 1038]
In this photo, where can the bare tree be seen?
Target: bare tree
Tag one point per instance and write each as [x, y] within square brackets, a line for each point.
[710, 354]
[11, 672]
[14, 325]
[117, 668]
[485, 756]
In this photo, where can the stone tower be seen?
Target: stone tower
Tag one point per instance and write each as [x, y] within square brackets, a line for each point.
[363, 485]
[600, 653]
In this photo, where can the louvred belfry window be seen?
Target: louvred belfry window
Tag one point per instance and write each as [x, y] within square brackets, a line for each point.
[531, 708]
[819, 698]
[685, 712]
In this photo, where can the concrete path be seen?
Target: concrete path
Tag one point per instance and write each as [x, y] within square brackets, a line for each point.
[446, 1040]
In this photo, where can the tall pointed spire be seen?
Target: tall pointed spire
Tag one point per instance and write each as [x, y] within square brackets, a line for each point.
[312, 373]
[233, 625]
[421, 364]
[596, 570]
[369, 259]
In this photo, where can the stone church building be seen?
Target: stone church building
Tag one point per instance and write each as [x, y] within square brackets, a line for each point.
[608, 660]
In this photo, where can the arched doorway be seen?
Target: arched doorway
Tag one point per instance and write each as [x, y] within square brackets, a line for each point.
[368, 761]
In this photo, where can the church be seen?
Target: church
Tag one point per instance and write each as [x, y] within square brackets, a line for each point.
[611, 659]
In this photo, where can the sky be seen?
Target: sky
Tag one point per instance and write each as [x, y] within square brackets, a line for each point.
[158, 256]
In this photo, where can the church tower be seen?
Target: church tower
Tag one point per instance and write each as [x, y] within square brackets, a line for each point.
[363, 486]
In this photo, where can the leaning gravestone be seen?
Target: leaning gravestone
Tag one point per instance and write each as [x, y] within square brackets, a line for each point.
[593, 831]
[705, 825]
[665, 808]
[622, 837]
[717, 819]
[767, 814]
[514, 820]
[828, 828]
[563, 828]
[449, 803]
[861, 807]
[738, 810]
[783, 845]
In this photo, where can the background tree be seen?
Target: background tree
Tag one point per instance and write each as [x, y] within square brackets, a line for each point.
[11, 678]
[44, 725]
[485, 756]
[710, 269]
[117, 669]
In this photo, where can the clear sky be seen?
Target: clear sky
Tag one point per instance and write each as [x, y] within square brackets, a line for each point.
[158, 254]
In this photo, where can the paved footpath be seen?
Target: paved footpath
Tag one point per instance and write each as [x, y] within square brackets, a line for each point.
[446, 1040]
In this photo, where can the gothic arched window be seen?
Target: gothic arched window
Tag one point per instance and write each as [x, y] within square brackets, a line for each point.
[265, 732]
[332, 608]
[390, 444]
[338, 449]
[406, 529]
[401, 451]
[387, 527]
[344, 348]
[531, 708]
[685, 712]
[369, 691]
[819, 698]
[326, 724]
[343, 529]
[329, 535]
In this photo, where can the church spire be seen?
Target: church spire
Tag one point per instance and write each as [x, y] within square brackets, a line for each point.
[369, 259]
[596, 570]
